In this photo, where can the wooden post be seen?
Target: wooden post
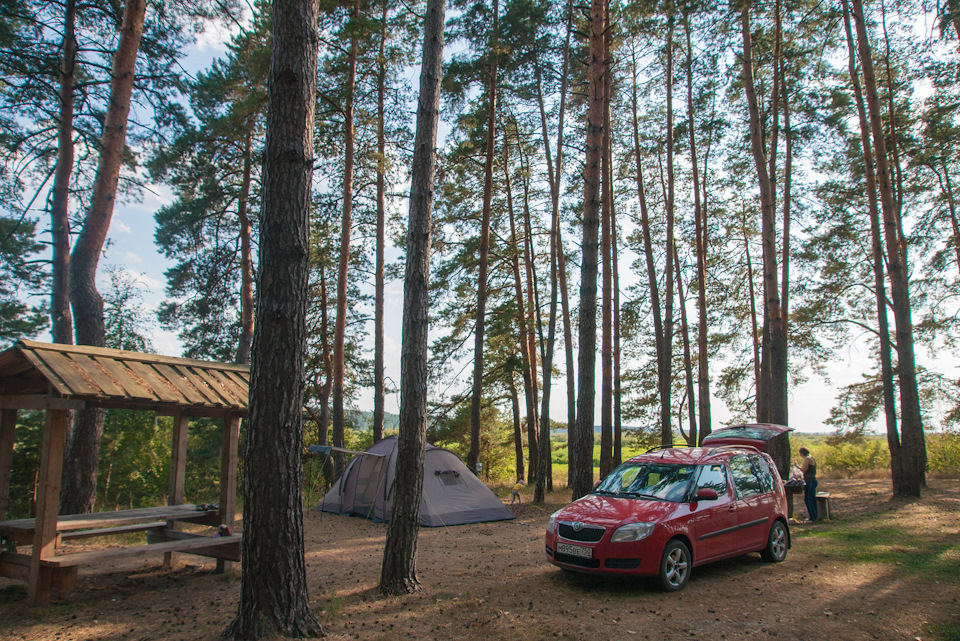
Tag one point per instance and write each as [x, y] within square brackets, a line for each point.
[8, 425]
[178, 471]
[40, 581]
[228, 477]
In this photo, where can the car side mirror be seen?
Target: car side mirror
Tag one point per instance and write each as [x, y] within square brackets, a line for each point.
[706, 494]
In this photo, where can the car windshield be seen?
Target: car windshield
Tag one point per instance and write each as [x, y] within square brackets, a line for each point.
[649, 480]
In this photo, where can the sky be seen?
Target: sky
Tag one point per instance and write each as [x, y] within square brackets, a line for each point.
[132, 250]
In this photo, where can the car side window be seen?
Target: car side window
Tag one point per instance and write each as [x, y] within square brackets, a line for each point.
[762, 469]
[713, 477]
[745, 479]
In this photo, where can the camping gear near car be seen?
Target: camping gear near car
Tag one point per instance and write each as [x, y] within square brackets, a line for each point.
[452, 495]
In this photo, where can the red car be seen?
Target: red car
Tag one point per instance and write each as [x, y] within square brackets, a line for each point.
[668, 510]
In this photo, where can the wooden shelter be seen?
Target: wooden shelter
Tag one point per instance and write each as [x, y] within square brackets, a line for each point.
[56, 379]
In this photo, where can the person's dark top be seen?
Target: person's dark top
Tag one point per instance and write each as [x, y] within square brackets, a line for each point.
[811, 473]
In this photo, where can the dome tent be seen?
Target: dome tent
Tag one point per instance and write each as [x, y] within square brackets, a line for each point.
[452, 495]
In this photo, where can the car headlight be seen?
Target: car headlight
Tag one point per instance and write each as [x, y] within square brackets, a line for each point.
[552, 522]
[632, 532]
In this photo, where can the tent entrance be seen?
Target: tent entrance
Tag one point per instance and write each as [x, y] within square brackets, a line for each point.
[369, 479]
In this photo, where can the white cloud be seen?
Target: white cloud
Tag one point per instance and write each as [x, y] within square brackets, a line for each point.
[119, 225]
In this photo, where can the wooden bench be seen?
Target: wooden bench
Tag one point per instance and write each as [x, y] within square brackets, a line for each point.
[60, 568]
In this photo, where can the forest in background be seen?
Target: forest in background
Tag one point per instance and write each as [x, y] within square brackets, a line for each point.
[691, 237]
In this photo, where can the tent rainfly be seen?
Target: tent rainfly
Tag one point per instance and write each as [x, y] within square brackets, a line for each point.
[452, 495]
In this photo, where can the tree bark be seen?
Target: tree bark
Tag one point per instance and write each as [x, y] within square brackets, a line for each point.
[691, 436]
[774, 379]
[606, 313]
[666, 366]
[273, 588]
[380, 275]
[80, 464]
[582, 475]
[913, 448]
[61, 320]
[545, 475]
[700, 232]
[476, 402]
[340, 326]
[399, 573]
[247, 301]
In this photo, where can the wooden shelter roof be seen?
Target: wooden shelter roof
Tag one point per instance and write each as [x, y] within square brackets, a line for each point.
[53, 376]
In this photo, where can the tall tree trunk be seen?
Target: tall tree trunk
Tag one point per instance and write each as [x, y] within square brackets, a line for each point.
[691, 436]
[606, 314]
[582, 476]
[517, 429]
[879, 276]
[340, 327]
[666, 366]
[61, 320]
[774, 388]
[273, 588]
[476, 402]
[80, 464]
[754, 329]
[525, 351]
[534, 324]
[378, 321]
[700, 230]
[399, 570]
[545, 475]
[652, 281]
[246, 257]
[332, 467]
[913, 448]
[617, 408]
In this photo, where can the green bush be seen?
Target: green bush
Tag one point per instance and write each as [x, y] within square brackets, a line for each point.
[943, 453]
[851, 458]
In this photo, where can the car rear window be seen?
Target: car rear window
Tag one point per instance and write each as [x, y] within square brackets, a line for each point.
[649, 480]
[759, 433]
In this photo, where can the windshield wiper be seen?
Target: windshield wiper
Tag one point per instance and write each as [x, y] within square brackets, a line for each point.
[641, 495]
[607, 492]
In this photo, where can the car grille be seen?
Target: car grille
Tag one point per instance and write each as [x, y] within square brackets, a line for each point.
[622, 564]
[569, 559]
[587, 533]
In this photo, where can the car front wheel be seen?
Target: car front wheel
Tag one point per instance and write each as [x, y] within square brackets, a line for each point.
[777, 544]
[674, 566]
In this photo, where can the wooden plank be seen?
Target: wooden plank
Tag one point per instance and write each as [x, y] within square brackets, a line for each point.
[229, 399]
[201, 543]
[14, 565]
[8, 426]
[224, 552]
[70, 373]
[100, 376]
[73, 522]
[239, 395]
[125, 379]
[228, 477]
[116, 353]
[51, 376]
[39, 402]
[163, 390]
[48, 501]
[111, 531]
[201, 385]
[240, 384]
[183, 386]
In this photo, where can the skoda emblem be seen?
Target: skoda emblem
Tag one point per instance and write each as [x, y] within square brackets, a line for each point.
[577, 526]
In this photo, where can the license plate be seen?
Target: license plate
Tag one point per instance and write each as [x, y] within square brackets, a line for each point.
[575, 550]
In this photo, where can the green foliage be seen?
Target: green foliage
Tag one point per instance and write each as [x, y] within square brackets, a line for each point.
[20, 277]
[849, 458]
[943, 453]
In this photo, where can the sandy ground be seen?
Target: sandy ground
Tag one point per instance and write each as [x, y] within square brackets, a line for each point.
[492, 581]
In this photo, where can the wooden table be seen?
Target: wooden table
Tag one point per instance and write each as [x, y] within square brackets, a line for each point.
[59, 570]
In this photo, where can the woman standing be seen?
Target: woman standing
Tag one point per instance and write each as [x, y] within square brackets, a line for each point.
[809, 468]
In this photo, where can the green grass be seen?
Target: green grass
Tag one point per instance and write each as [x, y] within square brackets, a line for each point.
[881, 539]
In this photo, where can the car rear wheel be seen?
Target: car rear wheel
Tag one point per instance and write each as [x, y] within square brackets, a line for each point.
[777, 543]
[674, 566]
